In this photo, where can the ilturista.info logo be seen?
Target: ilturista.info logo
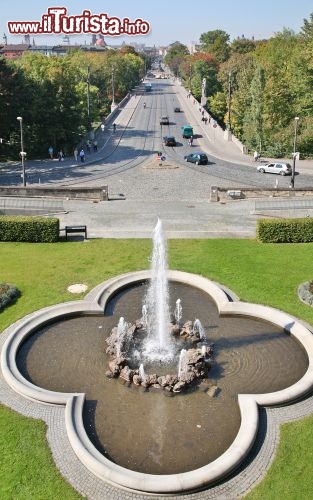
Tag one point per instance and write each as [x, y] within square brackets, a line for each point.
[56, 21]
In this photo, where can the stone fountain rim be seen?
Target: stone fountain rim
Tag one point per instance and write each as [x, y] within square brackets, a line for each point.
[95, 302]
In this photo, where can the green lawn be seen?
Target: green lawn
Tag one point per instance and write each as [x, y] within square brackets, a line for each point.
[267, 274]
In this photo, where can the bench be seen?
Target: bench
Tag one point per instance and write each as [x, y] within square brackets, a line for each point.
[235, 194]
[75, 229]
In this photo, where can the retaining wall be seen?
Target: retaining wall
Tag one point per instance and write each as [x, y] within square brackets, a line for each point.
[71, 193]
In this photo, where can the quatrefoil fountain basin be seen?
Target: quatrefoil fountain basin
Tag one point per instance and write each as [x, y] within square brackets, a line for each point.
[148, 439]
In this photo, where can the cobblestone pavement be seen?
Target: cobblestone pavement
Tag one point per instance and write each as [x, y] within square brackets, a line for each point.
[238, 484]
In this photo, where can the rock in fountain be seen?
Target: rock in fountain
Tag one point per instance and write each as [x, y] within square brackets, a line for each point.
[158, 332]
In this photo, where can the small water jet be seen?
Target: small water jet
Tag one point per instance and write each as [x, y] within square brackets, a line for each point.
[156, 338]
[178, 314]
[181, 364]
[198, 329]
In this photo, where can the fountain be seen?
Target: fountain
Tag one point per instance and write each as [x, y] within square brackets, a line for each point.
[159, 344]
[55, 359]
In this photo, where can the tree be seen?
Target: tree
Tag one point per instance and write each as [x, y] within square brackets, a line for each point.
[217, 105]
[196, 67]
[242, 46]
[241, 67]
[216, 43]
[175, 56]
[13, 93]
[254, 116]
[55, 91]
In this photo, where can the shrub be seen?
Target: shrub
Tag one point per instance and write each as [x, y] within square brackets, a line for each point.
[29, 229]
[8, 293]
[285, 230]
[305, 292]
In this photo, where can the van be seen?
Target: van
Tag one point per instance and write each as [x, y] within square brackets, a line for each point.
[187, 131]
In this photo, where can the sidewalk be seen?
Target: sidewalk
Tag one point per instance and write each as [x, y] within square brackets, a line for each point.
[219, 146]
[107, 141]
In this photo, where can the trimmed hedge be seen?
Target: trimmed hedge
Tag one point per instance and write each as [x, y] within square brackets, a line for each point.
[285, 230]
[29, 229]
[8, 293]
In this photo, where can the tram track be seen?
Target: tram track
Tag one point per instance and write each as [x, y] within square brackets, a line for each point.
[159, 103]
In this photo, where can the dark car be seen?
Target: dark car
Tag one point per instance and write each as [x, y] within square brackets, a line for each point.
[177, 110]
[169, 140]
[164, 120]
[197, 158]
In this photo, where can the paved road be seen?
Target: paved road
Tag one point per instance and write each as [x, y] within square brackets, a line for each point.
[143, 190]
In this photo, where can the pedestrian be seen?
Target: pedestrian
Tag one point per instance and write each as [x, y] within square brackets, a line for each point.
[114, 127]
[202, 112]
[88, 147]
[205, 120]
[76, 154]
[95, 145]
[61, 155]
[82, 155]
[50, 151]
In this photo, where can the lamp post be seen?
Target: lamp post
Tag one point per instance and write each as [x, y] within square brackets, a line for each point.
[22, 153]
[113, 105]
[292, 183]
[229, 100]
[227, 132]
[88, 99]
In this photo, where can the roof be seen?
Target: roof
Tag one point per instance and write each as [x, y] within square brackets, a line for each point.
[15, 47]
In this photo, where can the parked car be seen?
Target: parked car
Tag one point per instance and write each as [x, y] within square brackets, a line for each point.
[177, 110]
[164, 120]
[197, 158]
[275, 168]
[169, 140]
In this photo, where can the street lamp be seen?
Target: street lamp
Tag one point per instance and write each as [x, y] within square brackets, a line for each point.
[22, 153]
[229, 100]
[113, 105]
[88, 99]
[227, 131]
[292, 183]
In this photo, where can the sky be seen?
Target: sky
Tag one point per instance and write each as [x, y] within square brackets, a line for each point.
[169, 20]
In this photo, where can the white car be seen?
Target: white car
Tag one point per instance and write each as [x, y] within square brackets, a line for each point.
[275, 168]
